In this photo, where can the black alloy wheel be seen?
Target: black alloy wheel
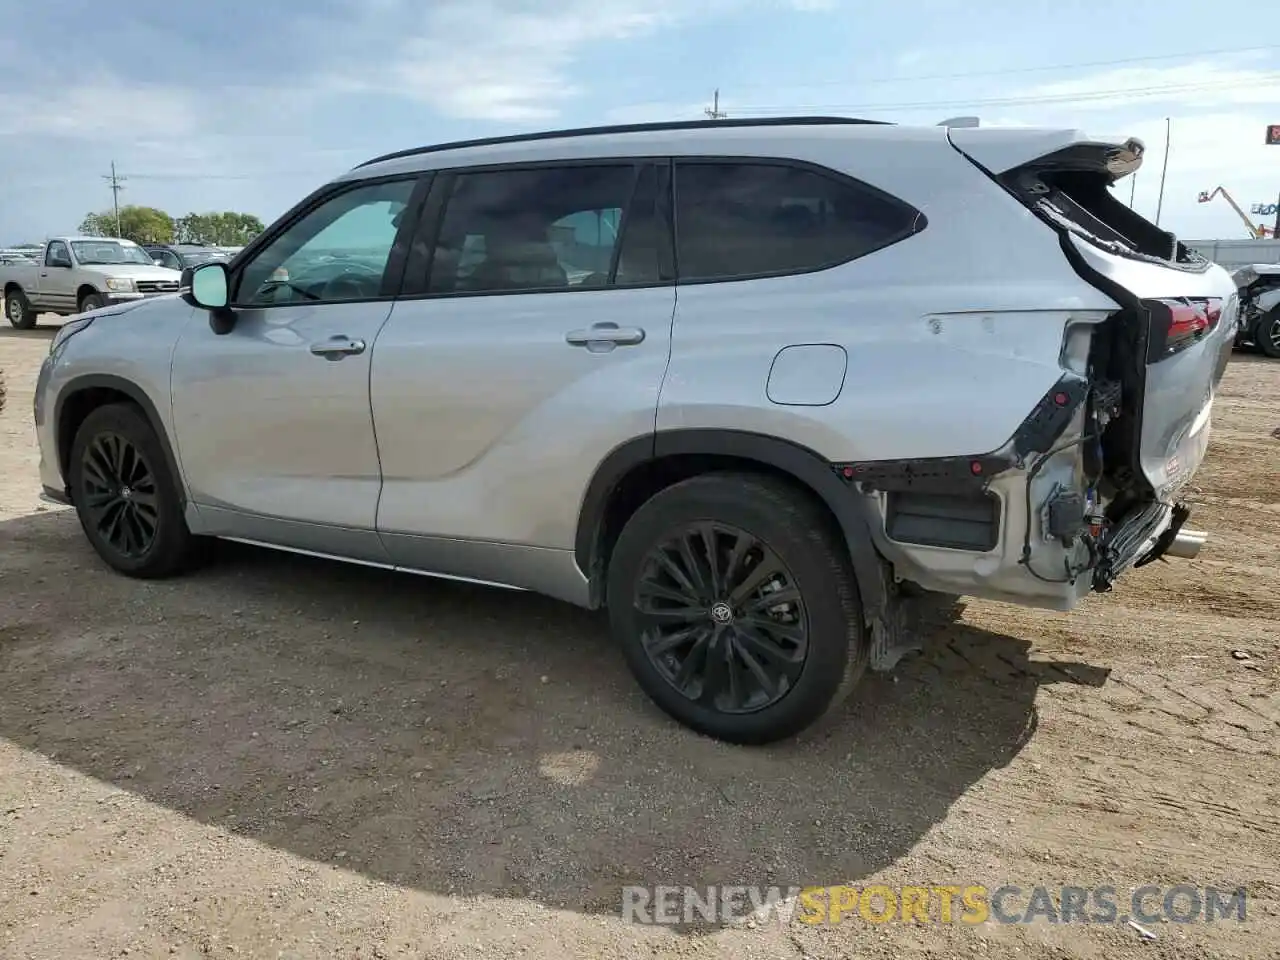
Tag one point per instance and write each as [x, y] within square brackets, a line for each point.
[725, 623]
[127, 496]
[734, 600]
[118, 490]
[1269, 334]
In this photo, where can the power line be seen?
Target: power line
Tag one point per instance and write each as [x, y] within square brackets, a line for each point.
[265, 175]
[1062, 98]
[1013, 71]
[116, 180]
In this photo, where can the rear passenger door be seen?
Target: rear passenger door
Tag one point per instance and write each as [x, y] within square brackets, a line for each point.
[530, 340]
[781, 296]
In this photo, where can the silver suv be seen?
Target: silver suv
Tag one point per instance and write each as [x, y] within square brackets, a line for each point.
[761, 388]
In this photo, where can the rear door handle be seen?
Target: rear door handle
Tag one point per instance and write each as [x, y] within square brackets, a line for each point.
[335, 348]
[605, 336]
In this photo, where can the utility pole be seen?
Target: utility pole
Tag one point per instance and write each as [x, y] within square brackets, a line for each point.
[714, 111]
[116, 187]
[1168, 127]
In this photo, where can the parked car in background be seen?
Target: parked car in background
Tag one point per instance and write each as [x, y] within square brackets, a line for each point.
[78, 274]
[903, 364]
[1259, 290]
[179, 256]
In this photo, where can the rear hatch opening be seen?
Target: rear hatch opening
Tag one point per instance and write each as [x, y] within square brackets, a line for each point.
[1154, 363]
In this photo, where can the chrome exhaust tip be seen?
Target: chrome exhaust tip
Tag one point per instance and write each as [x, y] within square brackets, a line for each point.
[1187, 544]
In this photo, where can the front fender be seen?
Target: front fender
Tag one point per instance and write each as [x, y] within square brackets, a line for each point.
[100, 386]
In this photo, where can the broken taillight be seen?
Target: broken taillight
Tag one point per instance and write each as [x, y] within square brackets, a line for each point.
[1179, 323]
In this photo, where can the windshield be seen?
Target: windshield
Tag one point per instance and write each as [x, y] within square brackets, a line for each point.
[109, 251]
[192, 257]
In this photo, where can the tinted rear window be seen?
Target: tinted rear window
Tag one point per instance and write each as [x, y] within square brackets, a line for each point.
[740, 219]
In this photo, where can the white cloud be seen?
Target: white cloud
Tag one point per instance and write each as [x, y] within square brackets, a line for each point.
[504, 60]
[511, 60]
[95, 107]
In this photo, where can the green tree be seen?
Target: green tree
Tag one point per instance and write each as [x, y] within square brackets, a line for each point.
[98, 225]
[139, 224]
[226, 229]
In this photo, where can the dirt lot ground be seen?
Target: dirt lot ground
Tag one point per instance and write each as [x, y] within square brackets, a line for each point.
[283, 758]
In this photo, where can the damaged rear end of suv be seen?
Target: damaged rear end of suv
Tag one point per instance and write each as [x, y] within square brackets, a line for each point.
[1103, 463]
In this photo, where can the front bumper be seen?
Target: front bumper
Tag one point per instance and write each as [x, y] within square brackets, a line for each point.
[51, 478]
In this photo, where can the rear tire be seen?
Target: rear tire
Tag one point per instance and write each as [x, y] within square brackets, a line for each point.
[1268, 335]
[18, 310]
[129, 504]
[91, 301]
[732, 650]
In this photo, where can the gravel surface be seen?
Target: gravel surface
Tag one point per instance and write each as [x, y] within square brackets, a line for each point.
[279, 757]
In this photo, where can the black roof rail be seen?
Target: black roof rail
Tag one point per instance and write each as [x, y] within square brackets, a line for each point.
[621, 128]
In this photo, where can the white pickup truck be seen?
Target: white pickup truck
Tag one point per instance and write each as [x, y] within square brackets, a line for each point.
[75, 274]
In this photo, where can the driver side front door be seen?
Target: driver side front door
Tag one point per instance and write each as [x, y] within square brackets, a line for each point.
[272, 419]
[57, 287]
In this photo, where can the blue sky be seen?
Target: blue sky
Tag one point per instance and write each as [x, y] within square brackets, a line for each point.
[248, 105]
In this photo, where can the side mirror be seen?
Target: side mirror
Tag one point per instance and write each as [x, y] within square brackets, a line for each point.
[208, 289]
[61, 262]
[209, 286]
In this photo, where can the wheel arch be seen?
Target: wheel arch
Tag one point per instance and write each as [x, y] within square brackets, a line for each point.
[638, 469]
[84, 394]
[85, 290]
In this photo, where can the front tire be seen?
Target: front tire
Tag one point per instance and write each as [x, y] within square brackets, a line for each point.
[1268, 335]
[737, 610]
[91, 301]
[19, 311]
[129, 503]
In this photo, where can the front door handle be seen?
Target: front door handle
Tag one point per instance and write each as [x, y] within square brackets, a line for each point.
[335, 348]
[605, 336]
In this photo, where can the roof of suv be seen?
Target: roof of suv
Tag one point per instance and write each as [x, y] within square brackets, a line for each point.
[673, 125]
[996, 148]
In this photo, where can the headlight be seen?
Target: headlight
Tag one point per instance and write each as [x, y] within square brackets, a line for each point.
[69, 329]
[120, 285]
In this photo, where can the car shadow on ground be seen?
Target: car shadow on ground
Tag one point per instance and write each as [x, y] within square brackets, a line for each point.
[471, 741]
